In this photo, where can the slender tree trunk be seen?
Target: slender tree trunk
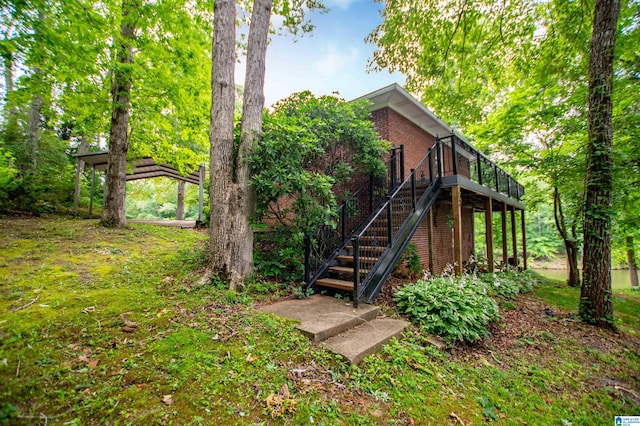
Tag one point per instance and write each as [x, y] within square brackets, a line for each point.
[596, 306]
[7, 60]
[113, 213]
[570, 244]
[222, 188]
[180, 208]
[35, 118]
[631, 259]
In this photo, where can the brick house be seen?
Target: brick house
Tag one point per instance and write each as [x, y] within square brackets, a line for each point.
[437, 183]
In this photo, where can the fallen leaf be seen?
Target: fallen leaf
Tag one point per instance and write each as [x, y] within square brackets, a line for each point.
[89, 309]
[167, 399]
[93, 363]
[251, 358]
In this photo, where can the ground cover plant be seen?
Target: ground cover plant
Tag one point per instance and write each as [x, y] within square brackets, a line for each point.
[104, 326]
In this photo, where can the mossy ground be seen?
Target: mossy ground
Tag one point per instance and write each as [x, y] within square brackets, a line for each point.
[205, 355]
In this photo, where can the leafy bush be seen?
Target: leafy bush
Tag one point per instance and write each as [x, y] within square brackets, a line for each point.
[411, 259]
[509, 283]
[456, 308]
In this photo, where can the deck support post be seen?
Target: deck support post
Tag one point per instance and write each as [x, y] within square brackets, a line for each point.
[505, 250]
[457, 228]
[514, 242]
[524, 240]
[488, 228]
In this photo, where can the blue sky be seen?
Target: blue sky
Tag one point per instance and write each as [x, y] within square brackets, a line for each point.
[331, 59]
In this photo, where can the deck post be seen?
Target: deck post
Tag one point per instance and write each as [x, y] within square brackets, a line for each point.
[505, 250]
[488, 229]
[524, 240]
[514, 242]
[457, 228]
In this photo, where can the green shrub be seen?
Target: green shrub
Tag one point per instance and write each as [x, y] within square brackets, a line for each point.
[456, 308]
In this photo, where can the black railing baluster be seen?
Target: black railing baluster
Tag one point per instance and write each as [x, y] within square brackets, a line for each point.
[401, 164]
[389, 221]
[454, 155]
[355, 241]
[479, 163]
[413, 188]
[343, 219]
[307, 259]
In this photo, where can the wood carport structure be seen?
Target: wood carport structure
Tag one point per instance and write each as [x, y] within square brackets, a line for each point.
[144, 168]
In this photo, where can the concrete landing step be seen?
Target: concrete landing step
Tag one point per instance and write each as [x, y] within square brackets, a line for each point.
[359, 342]
[322, 317]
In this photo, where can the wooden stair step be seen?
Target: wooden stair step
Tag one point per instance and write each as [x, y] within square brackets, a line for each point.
[367, 248]
[349, 259]
[335, 283]
[345, 270]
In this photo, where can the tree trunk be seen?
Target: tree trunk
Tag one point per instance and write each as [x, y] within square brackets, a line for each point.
[35, 117]
[631, 259]
[180, 208]
[596, 306]
[113, 213]
[570, 244]
[222, 189]
[251, 127]
[232, 199]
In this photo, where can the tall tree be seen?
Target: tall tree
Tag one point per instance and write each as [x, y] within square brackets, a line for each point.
[596, 305]
[221, 135]
[231, 196]
[113, 210]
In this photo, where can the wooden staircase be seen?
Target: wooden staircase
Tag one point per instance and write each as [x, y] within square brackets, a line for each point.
[341, 275]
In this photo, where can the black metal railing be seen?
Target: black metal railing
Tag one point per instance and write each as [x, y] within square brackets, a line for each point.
[322, 245]
[383, 228]
[460, 158]
[378, 214]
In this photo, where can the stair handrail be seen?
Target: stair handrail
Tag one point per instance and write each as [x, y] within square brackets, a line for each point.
[341, 213]
[434, 173]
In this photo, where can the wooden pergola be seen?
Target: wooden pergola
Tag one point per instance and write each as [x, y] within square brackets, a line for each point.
[143, 169]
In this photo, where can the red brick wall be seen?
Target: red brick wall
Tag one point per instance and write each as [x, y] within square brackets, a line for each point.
[400, 131]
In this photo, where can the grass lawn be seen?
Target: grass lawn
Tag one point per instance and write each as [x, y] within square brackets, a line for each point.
[108, 327]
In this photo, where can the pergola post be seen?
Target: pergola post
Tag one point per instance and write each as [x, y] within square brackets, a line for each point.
[505, 250]
[457, 229]
[524, 240]
[93, 184]
[514, 242]
[76, 193]
[200, 193]
[488, 228]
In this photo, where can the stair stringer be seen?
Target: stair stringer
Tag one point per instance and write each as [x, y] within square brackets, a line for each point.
[388, 260]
